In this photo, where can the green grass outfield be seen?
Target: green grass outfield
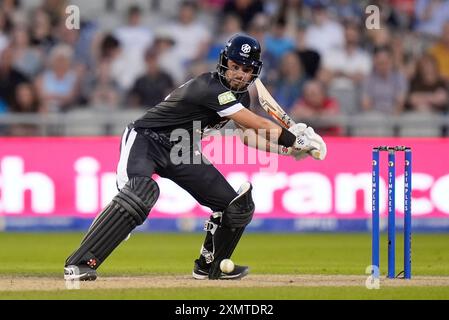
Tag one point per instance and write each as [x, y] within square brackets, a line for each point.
[25, 255]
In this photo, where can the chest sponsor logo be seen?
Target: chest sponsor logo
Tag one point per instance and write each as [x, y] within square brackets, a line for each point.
[226, 97]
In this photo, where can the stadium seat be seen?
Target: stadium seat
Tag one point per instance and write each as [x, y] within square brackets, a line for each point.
[420, 124]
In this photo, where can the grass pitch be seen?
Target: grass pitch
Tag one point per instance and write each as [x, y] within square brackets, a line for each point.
[283, 266]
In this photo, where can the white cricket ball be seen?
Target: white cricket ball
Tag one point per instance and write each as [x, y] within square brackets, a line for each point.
[226, 265]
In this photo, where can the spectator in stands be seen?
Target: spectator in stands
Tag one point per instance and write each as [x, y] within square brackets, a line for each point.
[10, 6]
[107, 48]
[289, 85]
[276, 42]
[384, 89]
[191, 37]
[350, 64]
[315, 104]
[58, 85]
[310, 58]
[134, 38]
[213, 6]
[81, 42]
[245, 9]
[41, 31]
[428, 91]
[258, 28]
[27, 59]
[100, 90]
[405, 13]
[55, 10]
[10, 78]
[345, 68]
[229, 25]
[441, 52]
[5, 25]
[431, 16]
[153, 86]
[324, 33]
[402, 60]
[168, 59]
[293, 12]
[25, 101]
[346, 10]
[376, 38]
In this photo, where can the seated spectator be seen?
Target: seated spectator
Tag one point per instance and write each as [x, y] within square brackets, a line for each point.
[428, 92]
[405, 13]
[310, 58]
[343, 69]
[385, 88]
[314, 104]
[276, 42]
[349, 65]
[5, 25]
[27, 59]
[58, 85]
[228, 26]
[41, 31]
[258, 29]
[25, 101]
[324, 33]
[153, 86]
[289, 84]
[431, 16]
[107, 48]
[168, 59]
[10, 77]
[346, 9]
[441, 53]
[246, 10]
[100, 90]
[191, 36]
[134, 39]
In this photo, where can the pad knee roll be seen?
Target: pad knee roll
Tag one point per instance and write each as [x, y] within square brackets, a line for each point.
[239, 212]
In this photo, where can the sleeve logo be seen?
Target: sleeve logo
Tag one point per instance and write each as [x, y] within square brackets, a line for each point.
[226, 97]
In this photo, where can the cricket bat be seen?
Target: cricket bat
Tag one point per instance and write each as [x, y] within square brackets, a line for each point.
[275, 110]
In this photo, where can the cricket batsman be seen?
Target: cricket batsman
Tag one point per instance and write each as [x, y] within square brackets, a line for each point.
[211, 99]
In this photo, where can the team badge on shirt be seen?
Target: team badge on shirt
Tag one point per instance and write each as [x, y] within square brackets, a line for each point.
[226, 97]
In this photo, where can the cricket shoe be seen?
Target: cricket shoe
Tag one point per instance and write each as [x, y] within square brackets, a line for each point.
[80, 273]
[203, 274]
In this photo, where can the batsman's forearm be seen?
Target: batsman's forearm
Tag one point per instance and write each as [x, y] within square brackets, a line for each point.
[250, 138]
[269, 130]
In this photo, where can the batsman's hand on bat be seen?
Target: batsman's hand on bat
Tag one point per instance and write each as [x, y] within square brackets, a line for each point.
[308, 142]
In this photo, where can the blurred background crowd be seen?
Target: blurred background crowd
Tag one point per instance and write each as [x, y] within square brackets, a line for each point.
[321, 62]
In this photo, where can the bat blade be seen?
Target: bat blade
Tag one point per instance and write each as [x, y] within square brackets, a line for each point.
[271, 106]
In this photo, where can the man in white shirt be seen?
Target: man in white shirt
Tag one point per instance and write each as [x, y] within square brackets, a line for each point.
[134, 40]
[324, 34]
[191, 37]
[345, 68]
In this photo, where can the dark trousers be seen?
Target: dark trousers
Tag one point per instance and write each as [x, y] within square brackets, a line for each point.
[144, 153]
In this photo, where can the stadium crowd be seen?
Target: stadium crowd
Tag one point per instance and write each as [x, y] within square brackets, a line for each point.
[319, 56]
